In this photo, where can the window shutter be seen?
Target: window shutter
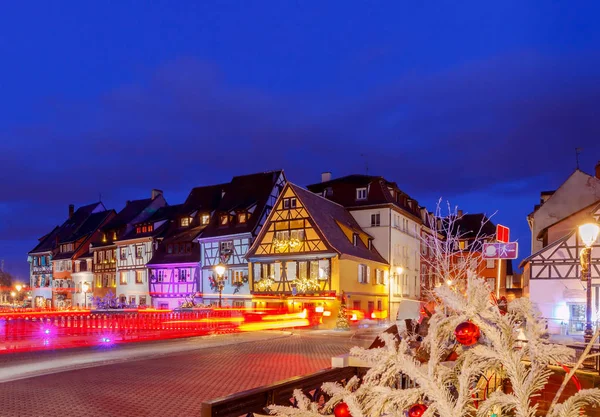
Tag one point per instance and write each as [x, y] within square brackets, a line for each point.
[359, 273]
[368, 273]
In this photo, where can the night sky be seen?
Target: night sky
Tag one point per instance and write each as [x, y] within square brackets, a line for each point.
[480, 105]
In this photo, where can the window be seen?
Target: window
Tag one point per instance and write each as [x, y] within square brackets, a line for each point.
[160, 276]
[282, 235]
[123, 254]
[370, 307]
[361, 193]
[237, 277]
[182, 248]
[132, 300]
[363, 274]
[144, 229]
[375, 219]
[188, 248]
[123, 280]
[297, 234]
[225, 246]
[183, 274]
[223, 219]
[370, 244]
[490, 264]
[100, 257]
[205, 218]
[69, 265]
[184, 222]
[463, 244]
[293, 202]
[356, 305]
[286, 203]
[354, 239]
[170, 248]
[150, 227]
[139, 277]
[139, 250]
[379, 305]
[241, 217]
[142, 300]
[138, 230]
[379, 273]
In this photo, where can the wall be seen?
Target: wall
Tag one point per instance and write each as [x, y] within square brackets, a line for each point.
[130, 264]
[78, 296]
[345, 278]
[578, 191]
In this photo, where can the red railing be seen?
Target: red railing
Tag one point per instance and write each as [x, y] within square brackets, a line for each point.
[29, 329]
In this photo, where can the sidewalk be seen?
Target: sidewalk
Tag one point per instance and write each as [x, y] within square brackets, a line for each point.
[30, 364]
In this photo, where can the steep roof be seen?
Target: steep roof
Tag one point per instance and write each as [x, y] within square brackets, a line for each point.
[468, 226]
[328, 216]
[343, 191]
[131, 210]
[241, 194]
[47, 242]
[162, 255]
[164, 214]
[91, 225]
[204, 198]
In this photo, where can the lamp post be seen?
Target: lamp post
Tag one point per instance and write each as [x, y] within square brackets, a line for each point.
[13, 295]
[86, 288]
[220, 271]
[588, 233]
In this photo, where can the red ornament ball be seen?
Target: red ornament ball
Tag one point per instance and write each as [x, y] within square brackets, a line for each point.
[342, 410]
[467, 333]
[417, 410]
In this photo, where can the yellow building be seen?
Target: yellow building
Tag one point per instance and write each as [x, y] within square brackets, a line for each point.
[308, 252]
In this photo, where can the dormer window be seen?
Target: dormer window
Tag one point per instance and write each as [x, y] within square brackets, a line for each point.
[370, 244]
[103, 237]
[138, 229]
[114, 235]
[144, 229]
[170, 248]
[205, 218]
[223, 219]
[242, 217]
[150, 227]
[293, 202]
[355, 239]
[184, 222]
[361, 193]
[286, 203]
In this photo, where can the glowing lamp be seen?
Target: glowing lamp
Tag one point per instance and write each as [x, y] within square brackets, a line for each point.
[13, 294]
[46, 331]
[19, 287]
[354, 317]
[326, 313]
[449, 282]
[399, 270]
[220, 270]
[319, 309]
[105, 340]
[86, 287]
[373, 315]
[589, 233]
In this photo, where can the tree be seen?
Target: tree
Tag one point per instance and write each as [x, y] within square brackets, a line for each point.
[469, 343]
[342, 318]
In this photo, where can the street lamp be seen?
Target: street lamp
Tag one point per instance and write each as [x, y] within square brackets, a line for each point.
[220, 271]
[18, 287]
[588, 233]
[13, 295]
[86, 288]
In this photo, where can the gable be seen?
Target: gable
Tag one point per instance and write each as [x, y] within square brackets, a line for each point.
[290, 229]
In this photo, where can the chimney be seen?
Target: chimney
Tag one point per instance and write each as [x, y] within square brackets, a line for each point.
[598, 169]
[156, 193]
[326, 176]
[71, 210]
[459, 213]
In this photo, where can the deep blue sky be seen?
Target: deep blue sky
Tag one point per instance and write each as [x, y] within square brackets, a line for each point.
[479, 104]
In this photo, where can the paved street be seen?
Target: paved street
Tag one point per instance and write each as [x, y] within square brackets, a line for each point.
[176, 382]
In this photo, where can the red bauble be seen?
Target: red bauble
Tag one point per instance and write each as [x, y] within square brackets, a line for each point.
[467, 333]
[417, 410]
[342, 410]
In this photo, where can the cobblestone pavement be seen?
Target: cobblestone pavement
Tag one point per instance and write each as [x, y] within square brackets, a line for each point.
[174, 385]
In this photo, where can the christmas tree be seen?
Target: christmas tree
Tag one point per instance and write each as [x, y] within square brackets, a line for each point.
[342, 318]
[475, 361]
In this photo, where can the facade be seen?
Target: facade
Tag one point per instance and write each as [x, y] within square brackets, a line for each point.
[83, 281]
[104, 251]
[40, 267]
[174, 269]
[310, 251]
[394, 220]
[135, 249]
[238, 219]
[73, 245]
[554, 275]
[577, 192]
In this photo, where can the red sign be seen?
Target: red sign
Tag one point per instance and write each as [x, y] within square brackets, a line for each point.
[508, 250]
[502, 234]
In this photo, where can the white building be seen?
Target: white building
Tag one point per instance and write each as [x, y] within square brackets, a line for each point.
[83, 281]
[241, 213]
[394, 220]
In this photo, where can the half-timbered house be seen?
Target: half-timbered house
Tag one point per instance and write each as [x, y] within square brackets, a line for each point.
[238, 219]
[73, 242]
[309, 252]
[40, 267]
[175, 266]
[554, 275]
[134, 251]
[104, 252]
[394, 220]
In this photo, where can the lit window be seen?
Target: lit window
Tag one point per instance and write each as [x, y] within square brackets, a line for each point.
[138, 229]
[242, 218]
[361, 193]
[139, 277]
[205, 218]
[123, 254]
[123, 280]
[183, 275]
[184, 222]
[144, 229]
[223, 219]
[139, 250]
[150, 227]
